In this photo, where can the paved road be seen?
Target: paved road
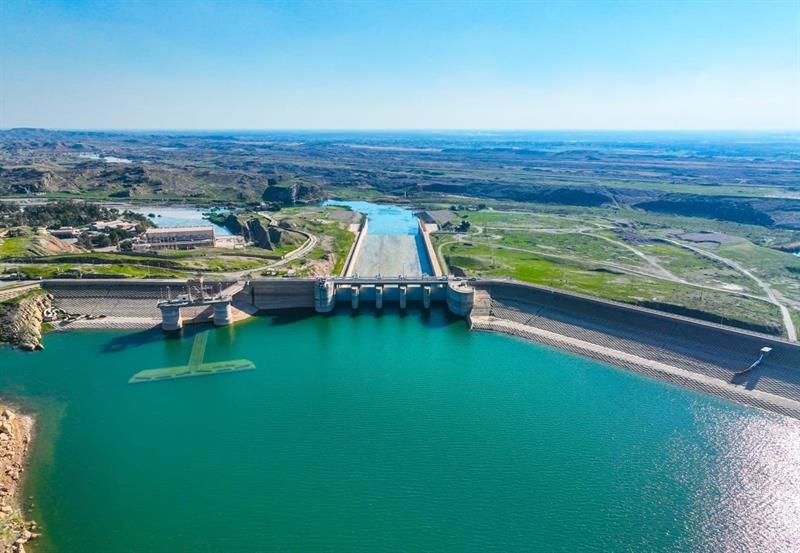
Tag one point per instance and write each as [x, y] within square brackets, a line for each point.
[310, 243]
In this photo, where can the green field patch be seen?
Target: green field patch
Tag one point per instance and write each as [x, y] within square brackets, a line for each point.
[588, 277]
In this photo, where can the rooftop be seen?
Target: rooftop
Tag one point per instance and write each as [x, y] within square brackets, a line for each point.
[166, 230]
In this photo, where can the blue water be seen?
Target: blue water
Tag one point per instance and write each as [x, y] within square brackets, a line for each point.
[179, 217]
[389, 432]
[383, 219]
[389, 220]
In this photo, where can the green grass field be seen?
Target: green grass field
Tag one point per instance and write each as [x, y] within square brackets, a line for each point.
[586, 274]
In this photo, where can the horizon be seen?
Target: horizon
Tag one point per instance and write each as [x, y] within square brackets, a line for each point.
[560, 66]
[788, 131]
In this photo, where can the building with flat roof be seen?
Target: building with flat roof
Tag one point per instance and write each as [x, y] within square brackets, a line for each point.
[178, 238]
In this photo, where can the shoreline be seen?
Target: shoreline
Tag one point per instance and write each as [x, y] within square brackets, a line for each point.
[654, 369]
[16, 438]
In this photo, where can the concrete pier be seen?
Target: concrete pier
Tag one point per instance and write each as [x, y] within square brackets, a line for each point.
[324, 295]
[379, 296]
[403, 295]
[355, 292]
[460, 298]
[171, 317]
[222, 313]
[426, 296]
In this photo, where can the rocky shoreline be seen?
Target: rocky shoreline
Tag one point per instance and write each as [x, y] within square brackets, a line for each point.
[21, 319]
[16, 431]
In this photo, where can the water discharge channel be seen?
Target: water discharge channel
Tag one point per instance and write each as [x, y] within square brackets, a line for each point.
[393, 245]
[385, 432]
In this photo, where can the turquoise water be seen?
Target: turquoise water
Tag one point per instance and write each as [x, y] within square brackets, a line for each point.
[389, 433]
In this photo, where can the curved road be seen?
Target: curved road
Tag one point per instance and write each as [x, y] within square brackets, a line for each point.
[664, 274]
[773, 298]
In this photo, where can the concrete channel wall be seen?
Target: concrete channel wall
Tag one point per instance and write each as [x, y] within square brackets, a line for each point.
[355, 249]
[426, 238]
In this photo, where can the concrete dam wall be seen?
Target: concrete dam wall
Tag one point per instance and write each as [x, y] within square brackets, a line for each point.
[709, 354]
[688, 352]
[271, 294]
[125, 303]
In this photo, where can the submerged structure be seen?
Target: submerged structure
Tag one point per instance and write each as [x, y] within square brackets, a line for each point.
[195, 367]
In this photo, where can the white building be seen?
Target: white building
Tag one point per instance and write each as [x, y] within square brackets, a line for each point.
[178, 238]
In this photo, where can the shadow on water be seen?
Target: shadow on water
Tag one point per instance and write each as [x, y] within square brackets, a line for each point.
[287, 316]
[144, 337]
[437, 316]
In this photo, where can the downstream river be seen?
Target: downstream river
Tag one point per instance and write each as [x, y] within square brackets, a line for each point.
[389, 432]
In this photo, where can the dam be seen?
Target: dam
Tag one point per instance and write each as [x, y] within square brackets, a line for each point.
[688, 352]
[362, 412]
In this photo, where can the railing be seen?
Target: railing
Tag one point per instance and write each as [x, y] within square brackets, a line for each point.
[399, 279]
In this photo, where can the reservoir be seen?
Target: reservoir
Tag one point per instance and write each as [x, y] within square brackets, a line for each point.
[388, 432]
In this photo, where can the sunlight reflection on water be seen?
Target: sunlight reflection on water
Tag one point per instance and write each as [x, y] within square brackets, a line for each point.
[751, 497]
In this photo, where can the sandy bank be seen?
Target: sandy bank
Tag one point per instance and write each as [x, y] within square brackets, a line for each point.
[16, 430]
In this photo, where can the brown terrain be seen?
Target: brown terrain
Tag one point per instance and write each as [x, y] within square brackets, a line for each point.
[16, 430]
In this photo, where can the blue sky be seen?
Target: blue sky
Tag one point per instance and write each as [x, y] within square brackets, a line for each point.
[395, 65]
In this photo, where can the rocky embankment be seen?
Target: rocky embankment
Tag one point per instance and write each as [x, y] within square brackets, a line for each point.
[15, 438]
[21, 319]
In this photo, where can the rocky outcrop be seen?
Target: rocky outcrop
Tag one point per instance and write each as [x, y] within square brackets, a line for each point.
[21, 319]
[257, 232]
[268, 236]
[290, 192]
[15, 437]
[24, 180]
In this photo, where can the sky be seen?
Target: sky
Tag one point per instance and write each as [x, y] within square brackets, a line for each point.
[649, 64]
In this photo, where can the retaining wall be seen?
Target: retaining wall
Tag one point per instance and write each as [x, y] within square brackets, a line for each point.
[278, 293]
[426, 238]
[123, 298]
[706, 349]
[355, 249]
